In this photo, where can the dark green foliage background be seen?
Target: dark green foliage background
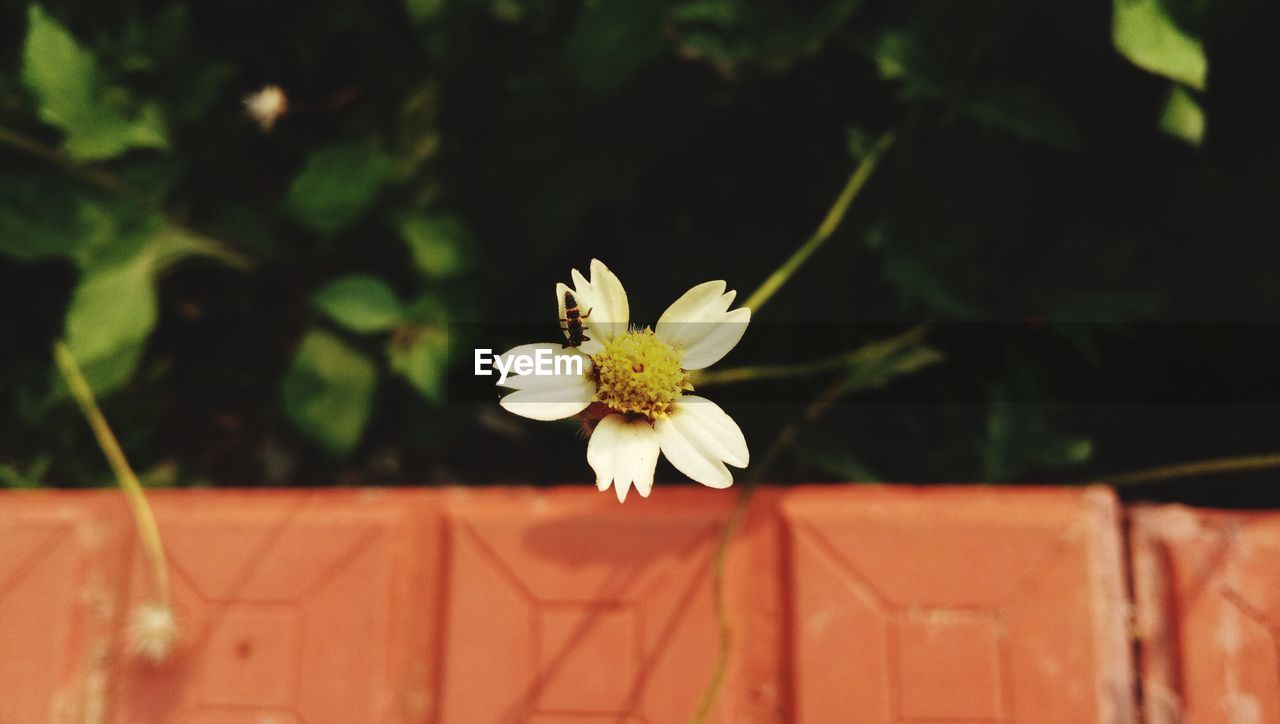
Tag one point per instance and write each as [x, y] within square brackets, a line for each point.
[447, 162]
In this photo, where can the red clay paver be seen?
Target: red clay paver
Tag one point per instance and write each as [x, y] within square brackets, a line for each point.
[915, 605]
[1207, 585]
[60, 567]
[847, 604]
[565, 606]
[294, 607]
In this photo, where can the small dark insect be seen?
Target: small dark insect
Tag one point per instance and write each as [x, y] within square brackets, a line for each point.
[573, 322]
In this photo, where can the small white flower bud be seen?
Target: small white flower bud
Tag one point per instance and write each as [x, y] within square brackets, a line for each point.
[153, 630]
[266, 106]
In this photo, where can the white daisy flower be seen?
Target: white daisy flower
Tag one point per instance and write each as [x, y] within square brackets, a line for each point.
[633, 393]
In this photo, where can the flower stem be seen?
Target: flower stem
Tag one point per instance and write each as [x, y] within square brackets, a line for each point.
[753, 373]
[1239, 464]
[148, 531]
[828, 226]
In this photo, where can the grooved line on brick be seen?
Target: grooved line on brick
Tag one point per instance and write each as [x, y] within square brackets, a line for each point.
[348, 556]
[41, 552]
[610, 594]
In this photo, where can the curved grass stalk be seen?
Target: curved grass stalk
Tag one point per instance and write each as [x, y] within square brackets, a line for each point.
[829, 224]
[148, 531]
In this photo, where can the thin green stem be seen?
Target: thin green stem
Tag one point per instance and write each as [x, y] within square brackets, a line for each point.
[1239, 464]
[755, 373]
[148, 531]
[828, 226]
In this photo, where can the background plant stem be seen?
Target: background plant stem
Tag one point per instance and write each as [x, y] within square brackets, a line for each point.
[1242, 463]
[829, 224]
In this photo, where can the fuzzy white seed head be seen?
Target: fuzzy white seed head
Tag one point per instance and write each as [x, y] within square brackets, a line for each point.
[266, 106]
[153, 630]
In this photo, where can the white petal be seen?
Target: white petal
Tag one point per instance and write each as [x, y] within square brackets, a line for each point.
[623, 452]
[720, 338]
[603, 303]
[699, 326]
[550, 396]
[703, 303]
[699, 438]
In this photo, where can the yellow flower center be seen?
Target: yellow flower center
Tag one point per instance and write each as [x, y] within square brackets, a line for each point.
[638, 373]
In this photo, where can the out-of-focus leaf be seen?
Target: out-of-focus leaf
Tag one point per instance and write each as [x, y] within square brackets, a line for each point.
[1182, 116]
[895, 54]
[772, 35]
[877, 364]
[201, 89]
[436, 243]
[13, 476]
[419, 131]
[328, 392]
[361, 303]
[39, 218]
[919, 279]
[421, 356]
[420, 11]
[614, 39]
[1019, 438]
[336, 185]
[66, 82]
[818, 447]
[1022, 111]
[176, 243]
[1144, 33]
[112, 312]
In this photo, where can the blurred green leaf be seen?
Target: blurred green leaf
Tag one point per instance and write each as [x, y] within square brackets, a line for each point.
[772, 35]
[1019, 438]
[361, 303]
[421, 355]
[1182, 116]
[1144, 33]
[895, 54]
[614, 39]
[328, 392]
[13, 476]
[920, 279]
[67, 84]
[420, 11]
[40, 217]
[436, 243]
[877, 364]
[112, 312]
[817, 446]
[1021, 109]
[336, 185]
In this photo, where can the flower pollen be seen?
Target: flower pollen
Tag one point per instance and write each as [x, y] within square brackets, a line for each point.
[638, 373]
